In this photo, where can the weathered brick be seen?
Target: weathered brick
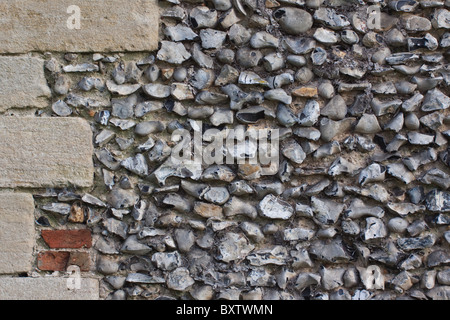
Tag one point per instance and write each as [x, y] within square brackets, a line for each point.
[16, 232]
[47, 288]
[53, 260]
[60, 260]
[45, 152]
[81, 259]
[67, 239]
[23, 82]
[105, 26]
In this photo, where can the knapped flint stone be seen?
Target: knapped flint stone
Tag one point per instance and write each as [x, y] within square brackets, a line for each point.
[239, 35]
[416, 23]
[187, 169]
[438, 258]
[439, 293]
[350, 227]
[440, 19]
[368, 123]
[309, 133]
[203, 17]
[216, 195]
[260, 277]
[397, 225]
[372, 173]
[359, 209]
[173, 52]
[276, 256]
[332, 277]
[180, 33]
[133, 246]
[330, 128]
[233, 246]
[251, 114]
[404, 5]
[60, 208]
[157, 90]
[293, 20]
[248, 58]
[326, 211]
[280, 80]
[399, 171]
[212, 39]
[305, 280]
[285, 115]
[61, 108]
[310, 114]
[295, 234]
[167, 261]
[427, 42]
[408, 244]
[299, 45]
[273, 62]
[404, 209]
[372, 277]
[116, 227]
[331, 251]
[273, 208]
[147, 127]
[335, 109]
[319, 56]
[331, 18]
[417, 138]
[326, 36]
[236, 206]
[119, 198]
[340, 166]
[263, 39]
[435, 100]
[136, 164]
[293, 151]
[34, 26]
[436, 177]
[122, 90]
[375, 229]
[327, 149]
[179, 279]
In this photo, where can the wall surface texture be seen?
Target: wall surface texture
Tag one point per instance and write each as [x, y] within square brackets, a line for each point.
[97, 98]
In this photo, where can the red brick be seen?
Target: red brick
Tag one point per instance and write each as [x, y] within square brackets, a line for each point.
[71, 239]
[60, 260]
[53, 260]
[81, 259]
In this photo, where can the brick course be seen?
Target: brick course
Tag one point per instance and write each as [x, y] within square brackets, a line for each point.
[67, 239]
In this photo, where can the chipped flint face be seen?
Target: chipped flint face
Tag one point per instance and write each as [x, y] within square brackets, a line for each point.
[254, 146]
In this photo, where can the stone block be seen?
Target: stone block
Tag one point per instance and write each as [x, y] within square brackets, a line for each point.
[45, 152]
[23, 82]
[16, 232]
[78, 26]
[48, 289]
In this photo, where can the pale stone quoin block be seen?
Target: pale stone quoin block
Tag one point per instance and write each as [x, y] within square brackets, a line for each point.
[22, 82]
[16, 232]
[78, 26]
[45, 152]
